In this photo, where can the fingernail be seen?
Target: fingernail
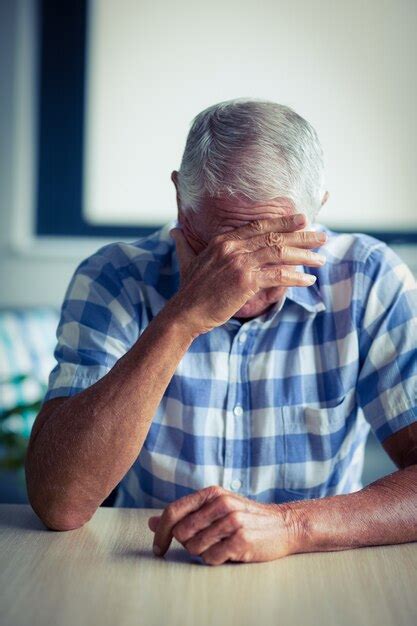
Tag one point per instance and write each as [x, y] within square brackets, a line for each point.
[156, 549]
[321, 236]
[311, 279]
[299, 218]
[321, 258]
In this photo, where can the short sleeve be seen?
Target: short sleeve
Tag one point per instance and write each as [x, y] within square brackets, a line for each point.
[387, 384]
[98, 324]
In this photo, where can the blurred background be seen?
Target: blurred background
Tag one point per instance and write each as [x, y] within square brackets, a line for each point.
[96, 99]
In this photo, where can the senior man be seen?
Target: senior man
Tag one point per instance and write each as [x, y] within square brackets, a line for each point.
[231, 377]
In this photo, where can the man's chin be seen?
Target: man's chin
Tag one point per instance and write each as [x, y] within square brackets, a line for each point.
[253, 309]
[259, 304]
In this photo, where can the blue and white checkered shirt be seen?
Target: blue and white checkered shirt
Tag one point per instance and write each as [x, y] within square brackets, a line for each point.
[276, 408]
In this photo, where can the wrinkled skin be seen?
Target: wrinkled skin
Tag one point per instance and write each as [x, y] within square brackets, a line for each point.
[220, 526]
[217, 216]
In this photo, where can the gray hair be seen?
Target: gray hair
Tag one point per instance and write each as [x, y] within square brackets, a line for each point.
[253, 150]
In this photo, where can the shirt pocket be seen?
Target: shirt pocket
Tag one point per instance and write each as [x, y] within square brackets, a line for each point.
[313, 438]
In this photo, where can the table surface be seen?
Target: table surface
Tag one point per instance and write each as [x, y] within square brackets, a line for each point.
[105, 573]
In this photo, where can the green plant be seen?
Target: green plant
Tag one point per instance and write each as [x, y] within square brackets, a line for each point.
[13, 445]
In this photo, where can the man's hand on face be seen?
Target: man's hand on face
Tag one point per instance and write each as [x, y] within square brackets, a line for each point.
[221, 526]
[236, 265]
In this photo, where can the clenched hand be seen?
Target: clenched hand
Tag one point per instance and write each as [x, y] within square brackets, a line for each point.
[222, 526]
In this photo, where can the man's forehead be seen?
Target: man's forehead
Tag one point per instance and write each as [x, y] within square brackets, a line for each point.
[226, 215]
[239, 205]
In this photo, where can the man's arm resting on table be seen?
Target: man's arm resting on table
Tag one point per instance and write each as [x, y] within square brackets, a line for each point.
[82, 446]
[384, 512]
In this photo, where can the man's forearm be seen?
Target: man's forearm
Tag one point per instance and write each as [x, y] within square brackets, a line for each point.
[384, 512]
[88, 443]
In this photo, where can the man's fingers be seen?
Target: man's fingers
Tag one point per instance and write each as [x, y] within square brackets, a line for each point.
[228, 549]
[287, 256]
[153, 522]
[302, 239]
[284, 277]
[175, 511]
[211, 511]
[217, 531]
[283, 224]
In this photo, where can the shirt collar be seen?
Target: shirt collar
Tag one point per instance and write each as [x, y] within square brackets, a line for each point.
[309, 298]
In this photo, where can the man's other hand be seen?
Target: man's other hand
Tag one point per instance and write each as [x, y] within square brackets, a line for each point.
[221, 526]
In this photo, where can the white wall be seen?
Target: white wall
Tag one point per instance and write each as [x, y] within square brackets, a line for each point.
[347, 67]
[33, 272]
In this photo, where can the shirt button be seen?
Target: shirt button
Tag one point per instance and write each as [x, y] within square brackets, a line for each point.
[235, 484]
[242, 337]
[238, 411]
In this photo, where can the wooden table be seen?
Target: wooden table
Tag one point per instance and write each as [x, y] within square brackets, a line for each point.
[105, 573]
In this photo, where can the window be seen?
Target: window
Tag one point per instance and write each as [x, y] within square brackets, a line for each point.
[121, 81]
[61, 146]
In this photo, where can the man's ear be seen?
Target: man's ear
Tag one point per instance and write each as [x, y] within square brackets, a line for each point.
[325, 198]
[174, 178]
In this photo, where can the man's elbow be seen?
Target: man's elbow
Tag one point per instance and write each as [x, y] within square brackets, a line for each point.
[57, 517]
[53, 514]
[62, 521]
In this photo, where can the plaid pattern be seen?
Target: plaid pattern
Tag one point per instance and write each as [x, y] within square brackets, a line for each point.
[277, 408]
